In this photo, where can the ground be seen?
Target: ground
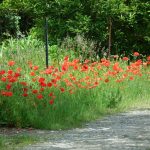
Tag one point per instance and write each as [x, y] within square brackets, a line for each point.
[129, 130]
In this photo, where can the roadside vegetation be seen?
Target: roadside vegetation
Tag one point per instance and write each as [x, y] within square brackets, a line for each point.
[16, 141]
[72, 90]
[67, 94]
[99, 62]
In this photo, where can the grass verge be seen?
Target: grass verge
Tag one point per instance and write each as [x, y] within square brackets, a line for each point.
[16, 141]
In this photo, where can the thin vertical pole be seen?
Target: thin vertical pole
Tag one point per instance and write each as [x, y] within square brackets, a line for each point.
[46, 41]
[110, 37]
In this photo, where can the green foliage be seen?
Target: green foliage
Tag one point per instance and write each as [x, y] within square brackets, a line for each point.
[130, 21]
[9, 23]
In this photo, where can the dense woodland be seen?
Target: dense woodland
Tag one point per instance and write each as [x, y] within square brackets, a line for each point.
[116, 25]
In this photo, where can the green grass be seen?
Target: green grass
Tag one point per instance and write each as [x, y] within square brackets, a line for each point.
[16, 141]
[137, 95]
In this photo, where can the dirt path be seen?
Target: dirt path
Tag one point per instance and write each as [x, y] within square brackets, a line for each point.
[125, 131]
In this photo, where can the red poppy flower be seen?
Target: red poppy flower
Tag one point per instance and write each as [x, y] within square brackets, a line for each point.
[2, 93]
[3, 79]
[62, 89]
[43, 84]
[55, 85]
[84, 67]
[9, 94]
[49, 84]
[18, 69]
[25, 89]
[17, 74]
[96, 83]
[64, 67]
[148, 58]
[41, 79]
[116, 67]
[34, 91]
[32, 73]
[136, 54]
[8, 86]
[105, 62]
[86, 61]
[35, 68]
[58, 78]
[76, 61]
[23, 83]
[40, 96]
[51, 94]
[42, 89]
[9, 72]
[75, 67]
[131, 78]
[12, 79]
[54, 81]
[48, 71]
[25, 94]
[66, 58]
[125, 58]
[51, 102]
[56, 70]
[11, 63]
[6, 93]
[2, 72]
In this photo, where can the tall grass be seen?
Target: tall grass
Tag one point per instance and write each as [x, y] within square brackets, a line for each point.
[22, 50]
[68, 92]
[16, 141]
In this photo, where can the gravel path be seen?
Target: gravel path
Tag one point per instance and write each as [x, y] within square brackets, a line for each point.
[125, 131]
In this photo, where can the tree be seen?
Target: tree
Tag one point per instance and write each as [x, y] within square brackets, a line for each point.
[117, 25]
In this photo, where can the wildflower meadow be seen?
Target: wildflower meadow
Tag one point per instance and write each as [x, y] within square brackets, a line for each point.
[69, 92]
